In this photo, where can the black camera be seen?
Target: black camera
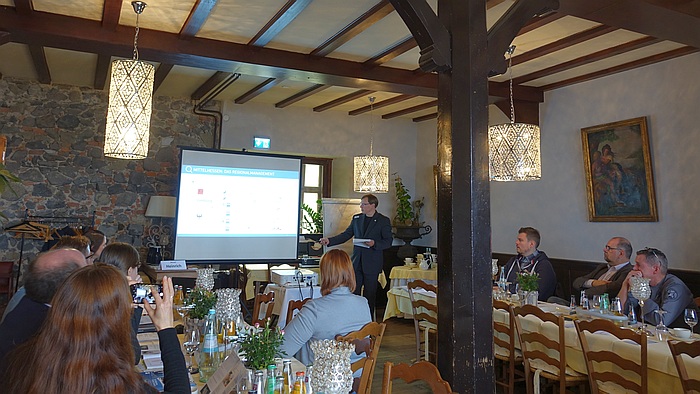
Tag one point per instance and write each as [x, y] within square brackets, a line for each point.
[144, 293]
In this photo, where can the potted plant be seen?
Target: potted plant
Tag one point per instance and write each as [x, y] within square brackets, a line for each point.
[6, 180]
[201, 300]
[407, 224]
[312, 219]
[528, 283]
[261, 345]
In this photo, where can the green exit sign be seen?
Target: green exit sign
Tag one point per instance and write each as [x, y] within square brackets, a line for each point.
[261, 143]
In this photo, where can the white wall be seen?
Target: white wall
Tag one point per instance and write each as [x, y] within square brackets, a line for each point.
[667, 93]
[333, 134]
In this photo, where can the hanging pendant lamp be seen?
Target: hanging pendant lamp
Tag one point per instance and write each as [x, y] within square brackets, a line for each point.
[371, 172]
[514, 148]
[130, 101]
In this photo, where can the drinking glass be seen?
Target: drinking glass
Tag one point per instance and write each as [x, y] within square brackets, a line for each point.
[661, 329]
[632, 316]
[191, 345]
[691, 318]
[641, 291]
[596, 302]
[572, 304]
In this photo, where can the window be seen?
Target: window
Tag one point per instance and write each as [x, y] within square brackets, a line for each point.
[316, 184]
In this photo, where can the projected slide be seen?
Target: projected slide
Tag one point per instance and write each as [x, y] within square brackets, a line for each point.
[235, 205]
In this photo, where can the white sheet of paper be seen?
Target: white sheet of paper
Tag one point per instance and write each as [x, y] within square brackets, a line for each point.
[361, 242]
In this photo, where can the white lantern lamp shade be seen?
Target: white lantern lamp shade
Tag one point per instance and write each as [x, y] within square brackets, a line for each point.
[514, 152]
[371, 174]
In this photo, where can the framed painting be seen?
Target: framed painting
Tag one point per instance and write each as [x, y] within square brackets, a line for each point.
[619, 178]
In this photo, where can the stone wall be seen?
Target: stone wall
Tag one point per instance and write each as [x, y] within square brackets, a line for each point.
[55, 136]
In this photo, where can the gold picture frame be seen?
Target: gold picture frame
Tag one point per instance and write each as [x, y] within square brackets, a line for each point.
[619, 177]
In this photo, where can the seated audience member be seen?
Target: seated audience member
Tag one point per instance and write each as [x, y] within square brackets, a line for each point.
[531, 260]
[84, 346]
[338, 311]
[667, 291]
[45, 275]
[81, 243]
[98, 241]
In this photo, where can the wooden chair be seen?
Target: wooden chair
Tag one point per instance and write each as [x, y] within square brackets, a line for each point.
[260, 299]
[551, 364]
[295, 305]
[421, 370]
[692, 350]
[367, 340]
[507, 356]
[421, 320]
[6, 278]
[599, 362]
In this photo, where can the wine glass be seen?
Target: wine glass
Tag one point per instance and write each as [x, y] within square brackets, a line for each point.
[691, 318]
[661, 329]
[191, 345]
[641, 291]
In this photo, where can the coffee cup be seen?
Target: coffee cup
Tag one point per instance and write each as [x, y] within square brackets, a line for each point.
[408, 260]
[682, 333]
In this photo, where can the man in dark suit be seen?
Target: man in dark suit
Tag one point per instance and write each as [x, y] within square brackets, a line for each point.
[367, 257]
[608, 278]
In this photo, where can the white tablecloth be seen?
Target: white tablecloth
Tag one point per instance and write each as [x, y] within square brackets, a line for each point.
[285, 294]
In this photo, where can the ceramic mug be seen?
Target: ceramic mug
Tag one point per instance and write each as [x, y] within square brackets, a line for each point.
[408, 260]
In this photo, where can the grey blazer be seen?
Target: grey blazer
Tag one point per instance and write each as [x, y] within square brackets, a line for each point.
[611, 288]
[339, 312]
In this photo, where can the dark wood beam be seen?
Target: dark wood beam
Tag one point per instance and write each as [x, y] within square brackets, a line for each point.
[643, 17]
[415, 108]
[279, 21]
[587, 59]
[24, 7]
[258, 90]
[386, 55]
[382, 104]
[623, 67]
[425, 117]
[432, 36]
[210, 84]
[40, 64]
[101, 71]
[539, 21]
[111, 12]
[372, 16]
[198, 15]
[4, 37]
[563, 43]
[504, 31]
[525, 111]
[161, 73]
[301, 95]
[88, 36]
[343, 100]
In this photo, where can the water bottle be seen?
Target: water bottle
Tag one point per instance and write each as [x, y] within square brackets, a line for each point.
[584, 300]
[259, 385]
[271, 379]
[287, 374]
[572, 305]
[209, 355]
[604, 303]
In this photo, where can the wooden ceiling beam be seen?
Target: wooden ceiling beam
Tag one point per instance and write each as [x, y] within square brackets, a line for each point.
[364, 21]
[24, 7]
[258, 90]
[210, 84]
[279, 21]
[301, 95]
[111, 12]
[198, 15]
[342, 100]
[587, 59]
[538, 22]
[161, 73]
[661, 19]
[425, 117]
[409, 110]
[623, 67]
[101, 71]
[87, 36]
[382, 104]
[386, 55]
[563, 43]
[40, 64]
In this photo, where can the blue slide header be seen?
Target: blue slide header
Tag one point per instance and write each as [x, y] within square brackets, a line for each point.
[228, 171]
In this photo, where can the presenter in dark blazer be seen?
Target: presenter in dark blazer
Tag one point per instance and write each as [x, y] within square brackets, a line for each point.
[367, 259]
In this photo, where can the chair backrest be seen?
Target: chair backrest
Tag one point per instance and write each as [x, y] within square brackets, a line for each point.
[532, 342]
[422, 370]
[692, 350]
[259, 300]
[6, 276]
[367, 340]
[504, 333]
[295, 305]
[417, 303]
[599, 361]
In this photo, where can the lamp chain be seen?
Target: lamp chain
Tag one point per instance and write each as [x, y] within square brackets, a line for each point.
[136, 38]
[511, 49]
[371, 125]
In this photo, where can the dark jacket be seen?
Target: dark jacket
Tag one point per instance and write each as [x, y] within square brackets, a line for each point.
[542, 266]
[368, 260]
[611, 288]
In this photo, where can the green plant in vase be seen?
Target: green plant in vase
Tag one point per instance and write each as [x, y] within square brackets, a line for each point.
[407, 213]
[201, 300]
[312, 219]
[262, 345]
[528, 283]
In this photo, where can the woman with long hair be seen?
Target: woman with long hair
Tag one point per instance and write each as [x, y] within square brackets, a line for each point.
[337, 312]
[84, 344]
[125, 257]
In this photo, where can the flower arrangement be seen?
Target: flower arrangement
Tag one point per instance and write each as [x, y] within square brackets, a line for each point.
[528, 281]
[261, 345]
[202, 300]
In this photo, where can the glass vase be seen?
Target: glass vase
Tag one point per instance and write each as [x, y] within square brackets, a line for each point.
[205, 278]
[332, 372]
